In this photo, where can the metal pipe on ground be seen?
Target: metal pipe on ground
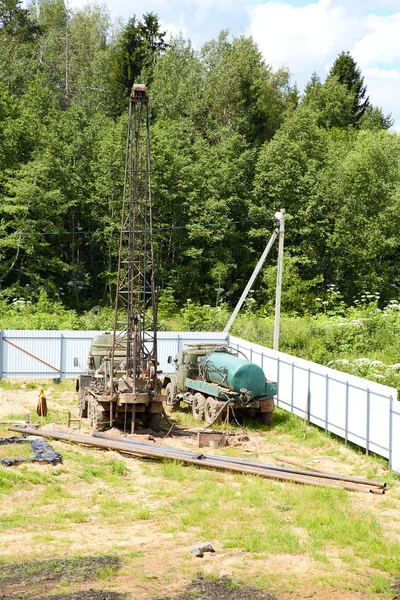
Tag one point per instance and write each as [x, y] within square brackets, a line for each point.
[228, 459]
[200, 460]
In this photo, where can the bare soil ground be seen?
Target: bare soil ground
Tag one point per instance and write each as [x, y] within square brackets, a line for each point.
[83, 535]
[219, 589]
[32, 579]
[37, 576]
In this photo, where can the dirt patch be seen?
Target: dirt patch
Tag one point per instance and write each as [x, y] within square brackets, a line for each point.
[104, 510]
[219, 589]
[43, 575]
[82, 595]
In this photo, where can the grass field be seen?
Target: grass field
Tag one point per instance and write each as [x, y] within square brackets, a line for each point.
[129, 523]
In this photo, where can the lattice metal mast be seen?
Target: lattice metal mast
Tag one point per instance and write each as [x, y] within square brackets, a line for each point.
[136, 288]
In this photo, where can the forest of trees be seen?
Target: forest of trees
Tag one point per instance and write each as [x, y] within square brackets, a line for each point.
[232, 141]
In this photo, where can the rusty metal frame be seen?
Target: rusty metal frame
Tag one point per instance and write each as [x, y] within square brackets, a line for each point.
[136, 289]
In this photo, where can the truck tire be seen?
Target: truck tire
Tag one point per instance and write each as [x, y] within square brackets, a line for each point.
[82, 403]
[198, 406]
[98, 417]
[153, 421]
[266, 418]
[81, 384]
[211, 411]
[170, 396]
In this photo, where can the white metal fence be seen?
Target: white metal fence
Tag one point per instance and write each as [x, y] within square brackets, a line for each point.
[62, 354]
[358, 410]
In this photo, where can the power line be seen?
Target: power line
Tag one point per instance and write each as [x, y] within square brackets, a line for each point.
[192, 226]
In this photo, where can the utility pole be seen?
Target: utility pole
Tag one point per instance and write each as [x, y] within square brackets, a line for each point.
[279, 278]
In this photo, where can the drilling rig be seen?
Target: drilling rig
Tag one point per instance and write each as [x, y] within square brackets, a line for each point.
[123, 386]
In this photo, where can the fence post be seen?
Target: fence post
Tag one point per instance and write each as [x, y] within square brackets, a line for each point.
[262, 360]
[326, 403]
[277, 381]
[346, 425]
[292, 391]
[309, 396]
[390, 432]
[179, 342]
[251, 354]
[1, 353]
[61, 354]
[368, 415]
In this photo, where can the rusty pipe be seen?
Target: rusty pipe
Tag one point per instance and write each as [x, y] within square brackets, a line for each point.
[228, 459]
[200, 460]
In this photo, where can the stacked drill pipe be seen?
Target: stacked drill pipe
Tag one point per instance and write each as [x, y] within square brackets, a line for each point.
[225, 463]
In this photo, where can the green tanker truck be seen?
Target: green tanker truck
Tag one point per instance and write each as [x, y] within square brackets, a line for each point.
[213, 379]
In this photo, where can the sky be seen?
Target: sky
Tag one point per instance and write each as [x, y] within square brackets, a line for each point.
[303, 35]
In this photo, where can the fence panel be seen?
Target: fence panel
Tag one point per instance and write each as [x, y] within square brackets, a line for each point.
[32, 353]
[394, 460]
[75, 350]
[316, 398]
[60, 354]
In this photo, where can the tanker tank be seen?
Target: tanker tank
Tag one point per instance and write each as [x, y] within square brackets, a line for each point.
[234, 373]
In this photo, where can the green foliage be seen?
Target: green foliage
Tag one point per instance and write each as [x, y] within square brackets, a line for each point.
[231, 143]
[167, 306]
[43, 314]
[298, 294]
[346, 71]
[242, 92]
[362, 340]
[374, 118]
[195, 317]
[118, 467]
[139, 44]
[331, 102]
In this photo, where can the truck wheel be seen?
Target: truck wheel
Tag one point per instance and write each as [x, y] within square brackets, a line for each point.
[266, 418]
[82, 404]
[153, 421]
[99, 418]
[211, 411]
[170, 395]
[198, 406]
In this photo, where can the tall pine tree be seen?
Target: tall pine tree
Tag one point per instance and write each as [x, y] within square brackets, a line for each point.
[346, 71]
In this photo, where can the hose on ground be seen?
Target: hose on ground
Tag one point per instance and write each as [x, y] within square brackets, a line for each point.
[166, 417]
